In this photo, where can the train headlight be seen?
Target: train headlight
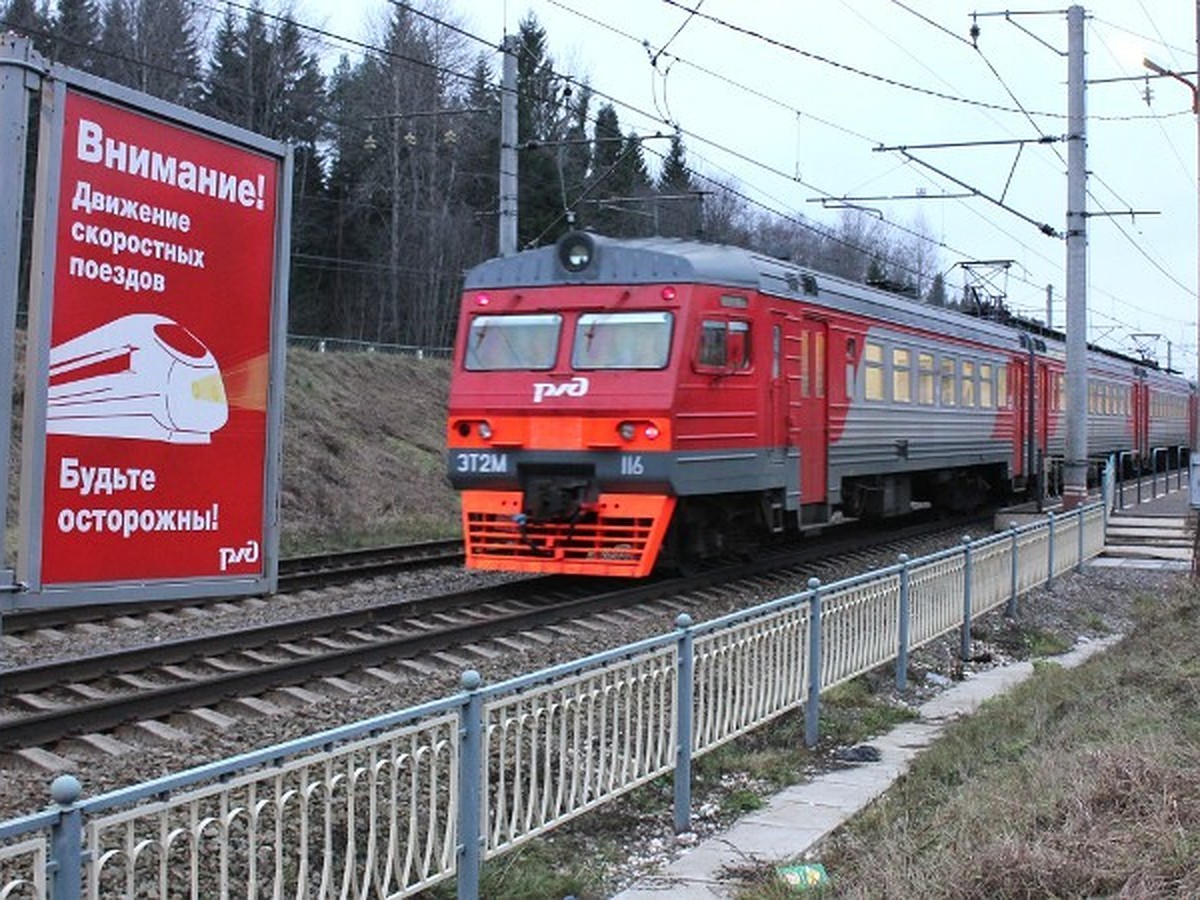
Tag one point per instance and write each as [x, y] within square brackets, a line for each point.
[575, 251]
[483, 428]
[629, 430]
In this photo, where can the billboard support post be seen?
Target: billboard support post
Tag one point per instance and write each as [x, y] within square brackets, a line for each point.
[20, 74]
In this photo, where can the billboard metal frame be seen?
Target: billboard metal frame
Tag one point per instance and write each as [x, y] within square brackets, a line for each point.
[30, 591]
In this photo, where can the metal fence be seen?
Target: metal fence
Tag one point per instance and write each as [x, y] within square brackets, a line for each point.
[392, 805]
[320, 344]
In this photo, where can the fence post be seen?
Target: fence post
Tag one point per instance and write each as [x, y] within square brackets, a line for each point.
[902, 651]
[66, 840]
[1011, 611]
[1079, 562]
[1050, 553]
[470, 786]
[685, 672]
[1110, 483]
[812, 711]
[964, 650]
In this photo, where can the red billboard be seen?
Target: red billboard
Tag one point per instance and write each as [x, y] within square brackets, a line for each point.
[156, 420]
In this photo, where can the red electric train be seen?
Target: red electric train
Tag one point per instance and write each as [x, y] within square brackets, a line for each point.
[618, 403]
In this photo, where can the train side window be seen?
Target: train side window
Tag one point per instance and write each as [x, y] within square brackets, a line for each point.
[819, 366]
[1002, 399]
[925, 379]
[873, 374]
[968, 383]
[724, 345]
[712, 345]
[500, 343]
[804, 363]
[901, 375]
[776, 352]
[985, 385]
[738, 355]
[949, 394]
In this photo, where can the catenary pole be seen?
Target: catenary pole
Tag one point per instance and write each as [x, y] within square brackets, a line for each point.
[1075, 471]
[508, 148]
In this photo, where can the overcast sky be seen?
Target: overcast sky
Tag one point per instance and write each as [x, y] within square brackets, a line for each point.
[790, 98]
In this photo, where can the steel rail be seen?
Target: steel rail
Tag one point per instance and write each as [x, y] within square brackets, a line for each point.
[47, 726]
[295, 574]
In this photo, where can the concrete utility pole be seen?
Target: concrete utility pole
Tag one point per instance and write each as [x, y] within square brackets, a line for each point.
[1194, 87]
[508, 147]
[1075, 471]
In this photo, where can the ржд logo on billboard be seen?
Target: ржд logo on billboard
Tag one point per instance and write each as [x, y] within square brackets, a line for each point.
[156, 408]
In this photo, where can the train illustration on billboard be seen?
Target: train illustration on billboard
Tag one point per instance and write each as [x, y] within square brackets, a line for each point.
[142, 377]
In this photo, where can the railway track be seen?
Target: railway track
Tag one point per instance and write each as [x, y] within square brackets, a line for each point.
[43, 704]
[295, 574]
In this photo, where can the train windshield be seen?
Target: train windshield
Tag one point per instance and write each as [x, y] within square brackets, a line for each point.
[634, 340]
[512, 342]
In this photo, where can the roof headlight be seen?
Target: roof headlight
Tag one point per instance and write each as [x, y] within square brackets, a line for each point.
[576, 250]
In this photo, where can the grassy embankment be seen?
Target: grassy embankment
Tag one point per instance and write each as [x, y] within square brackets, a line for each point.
[364, 452]
[1080, 783]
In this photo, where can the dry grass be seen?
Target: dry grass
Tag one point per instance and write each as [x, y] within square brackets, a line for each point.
[1080, 783]
[364, 451]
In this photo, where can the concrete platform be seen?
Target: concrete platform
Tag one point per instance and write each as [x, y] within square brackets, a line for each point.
[1161, 530]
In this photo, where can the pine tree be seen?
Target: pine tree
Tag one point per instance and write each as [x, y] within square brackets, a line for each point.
[225, 96]
[631, 181]
[479, 152]
[603, 212]
[165, 50]
[675, 177]
[540, 216]
[678, 211]
[76, 34]
[115, 56]
[937, 291]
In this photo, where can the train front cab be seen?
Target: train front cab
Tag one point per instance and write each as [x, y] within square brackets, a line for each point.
[559, 469]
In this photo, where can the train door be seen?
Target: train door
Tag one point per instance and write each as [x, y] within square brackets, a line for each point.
[1044, 386]
[1022, 462]
[1141, 416]
[779, 430]
[809, 417]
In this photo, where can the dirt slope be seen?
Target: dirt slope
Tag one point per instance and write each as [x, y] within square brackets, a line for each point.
[363, 451]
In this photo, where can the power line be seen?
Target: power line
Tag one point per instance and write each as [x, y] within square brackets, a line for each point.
[816, 57]
[772, 170]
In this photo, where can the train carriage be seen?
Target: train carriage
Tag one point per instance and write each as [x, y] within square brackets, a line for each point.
[615, 403]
